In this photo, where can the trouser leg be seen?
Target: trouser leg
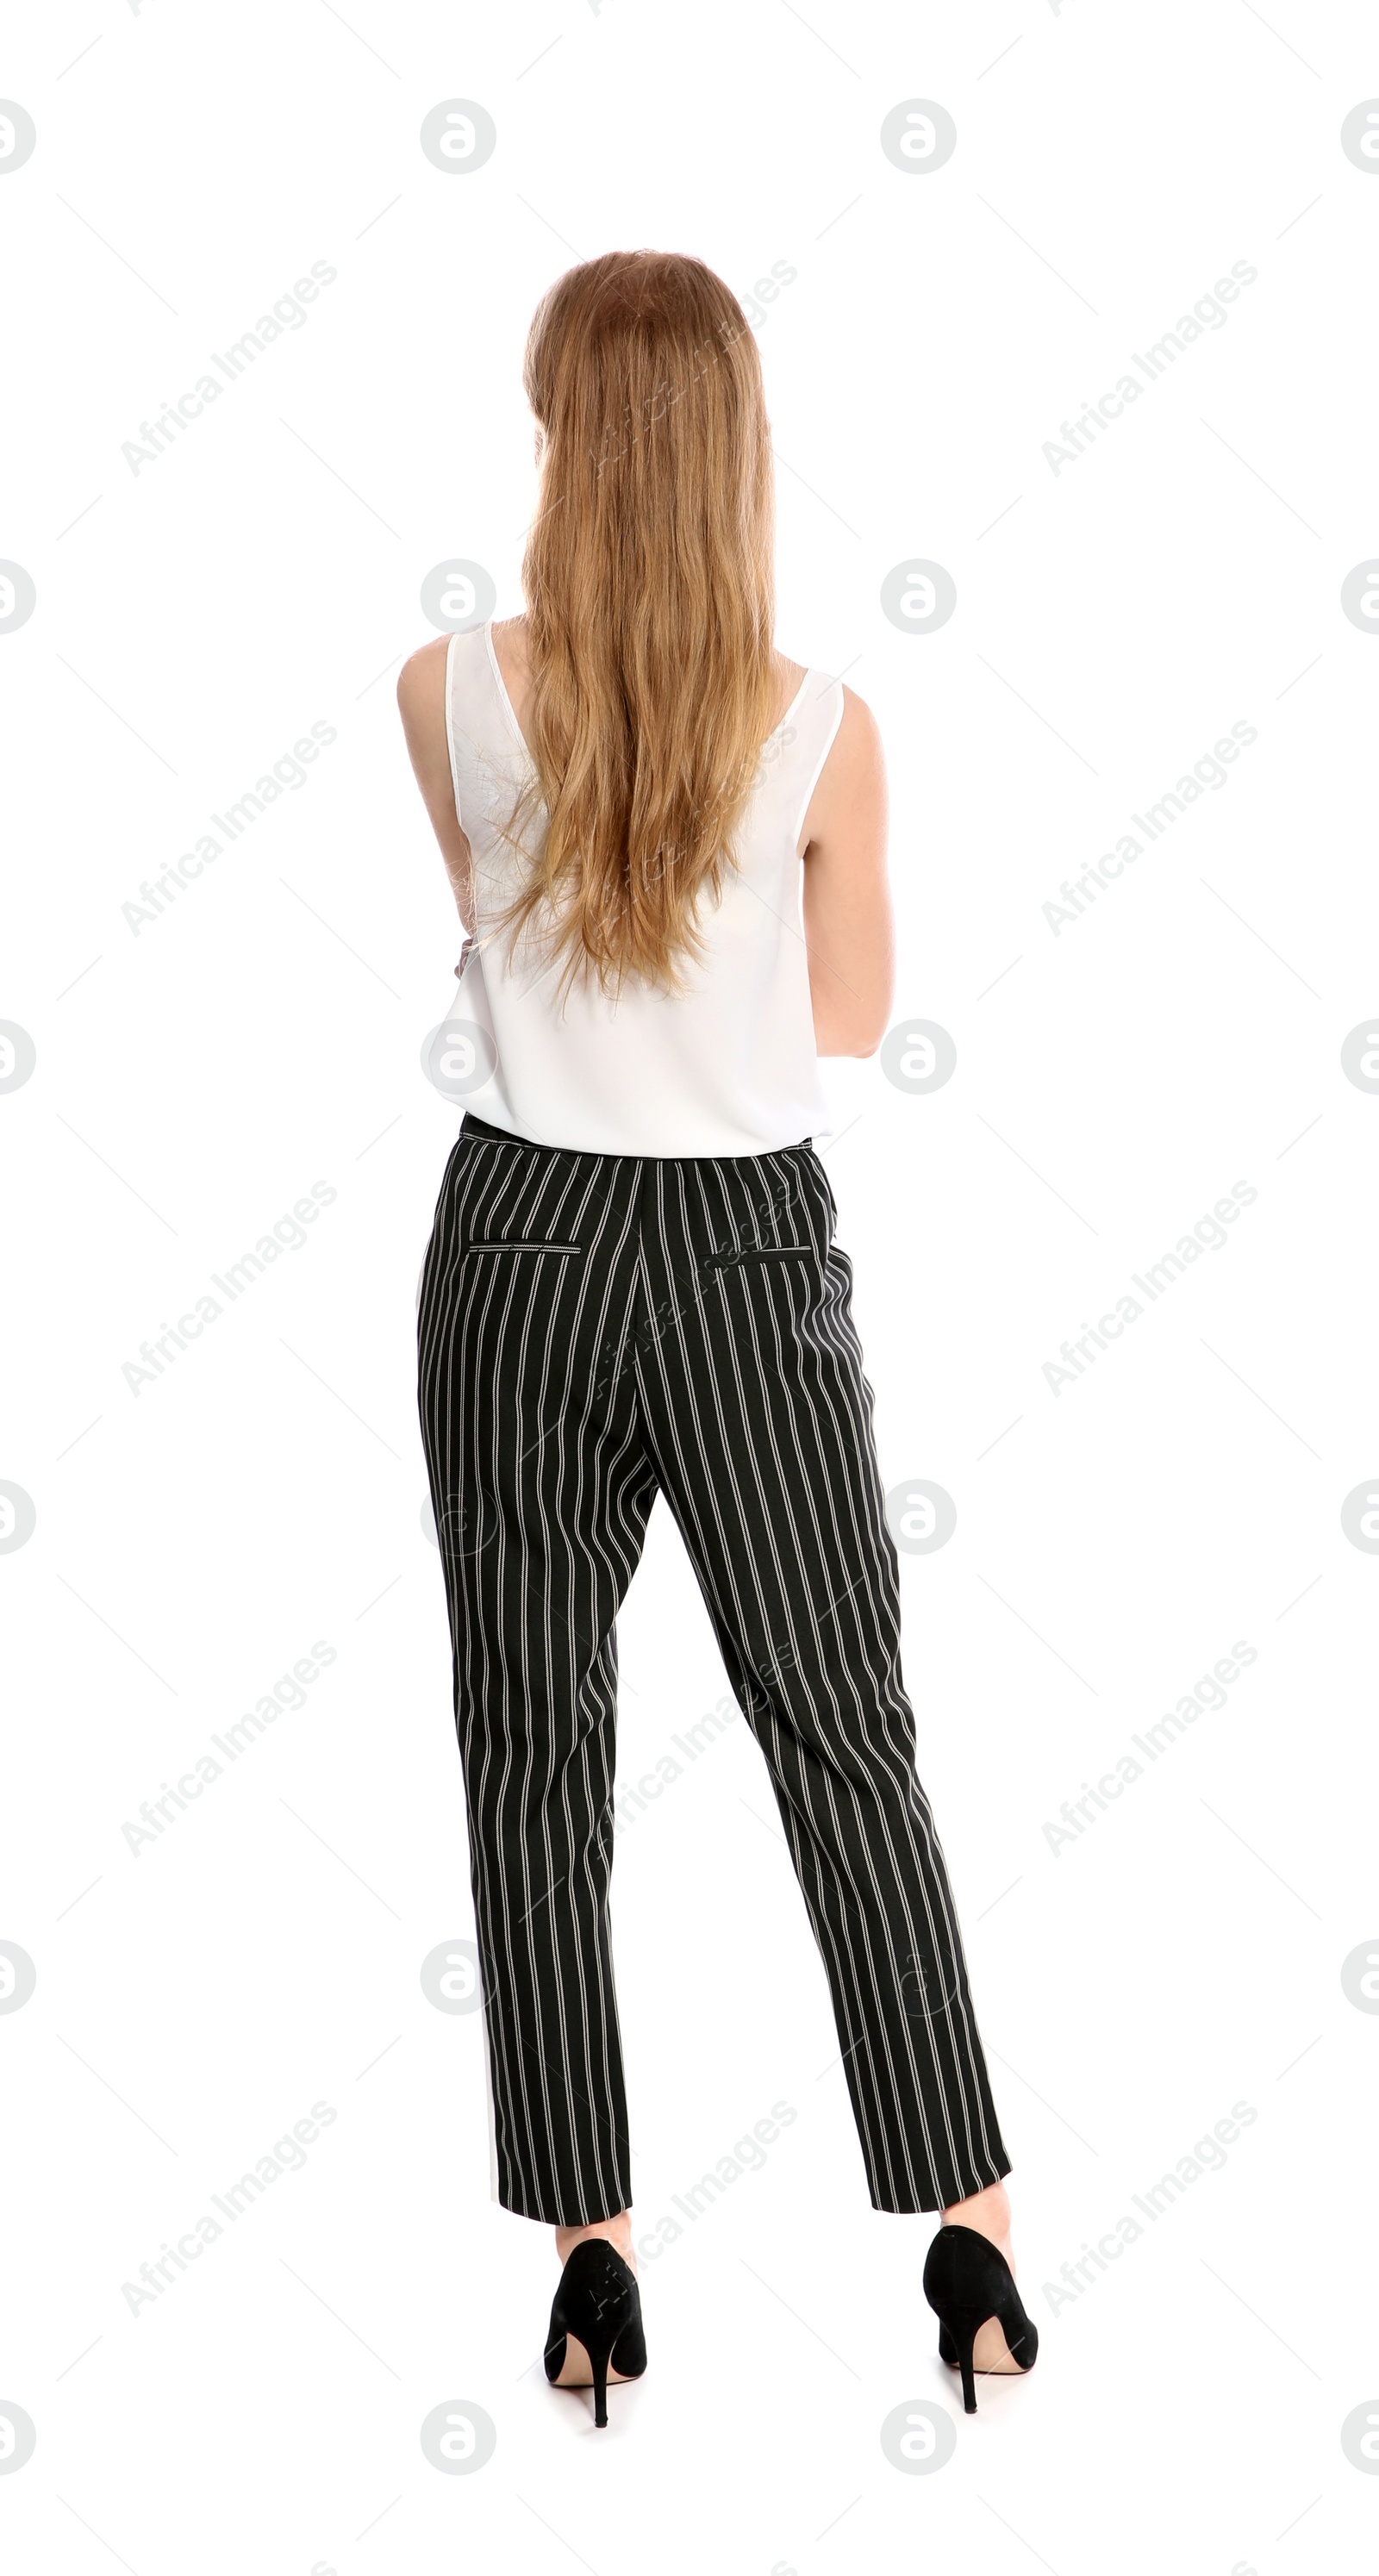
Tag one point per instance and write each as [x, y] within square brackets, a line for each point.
[759, 1419]
[541, 1490]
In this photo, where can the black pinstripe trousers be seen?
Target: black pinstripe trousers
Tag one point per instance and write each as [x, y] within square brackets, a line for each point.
[594, 1329]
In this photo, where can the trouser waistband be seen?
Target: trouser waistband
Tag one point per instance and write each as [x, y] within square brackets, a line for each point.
[472, 1126]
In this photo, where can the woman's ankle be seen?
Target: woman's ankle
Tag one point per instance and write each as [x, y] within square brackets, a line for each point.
[618, 2231]
[987, 2212]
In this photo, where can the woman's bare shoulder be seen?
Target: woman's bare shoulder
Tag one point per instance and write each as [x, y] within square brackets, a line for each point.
[421, 680]
[856, 746]
[858, 731]
[858, 724]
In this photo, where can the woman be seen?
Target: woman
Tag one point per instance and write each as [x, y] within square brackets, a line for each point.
[667, 846]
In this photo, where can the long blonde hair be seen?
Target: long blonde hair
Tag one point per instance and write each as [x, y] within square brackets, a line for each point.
[649, 581]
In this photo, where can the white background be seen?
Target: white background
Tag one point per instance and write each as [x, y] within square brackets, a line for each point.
[194, 1538]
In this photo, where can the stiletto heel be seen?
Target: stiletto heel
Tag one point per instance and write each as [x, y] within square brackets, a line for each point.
[599, 2304]
[966, 2281]
[963, 2359]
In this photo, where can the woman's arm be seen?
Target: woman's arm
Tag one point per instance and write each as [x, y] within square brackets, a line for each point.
[421, 703]
[849, 926]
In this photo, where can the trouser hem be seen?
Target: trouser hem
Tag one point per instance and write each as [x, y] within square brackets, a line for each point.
[565, 2217]
[930, 2197]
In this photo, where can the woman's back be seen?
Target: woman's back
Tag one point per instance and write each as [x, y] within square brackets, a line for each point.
[725, 1065]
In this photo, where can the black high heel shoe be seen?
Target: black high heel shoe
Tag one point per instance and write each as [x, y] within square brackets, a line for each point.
[599, 2303]
[966, 2280]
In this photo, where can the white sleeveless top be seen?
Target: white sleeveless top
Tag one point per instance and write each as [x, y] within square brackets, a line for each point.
[727, 1066]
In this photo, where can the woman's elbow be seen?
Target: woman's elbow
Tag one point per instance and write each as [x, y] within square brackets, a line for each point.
[854, 1036]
